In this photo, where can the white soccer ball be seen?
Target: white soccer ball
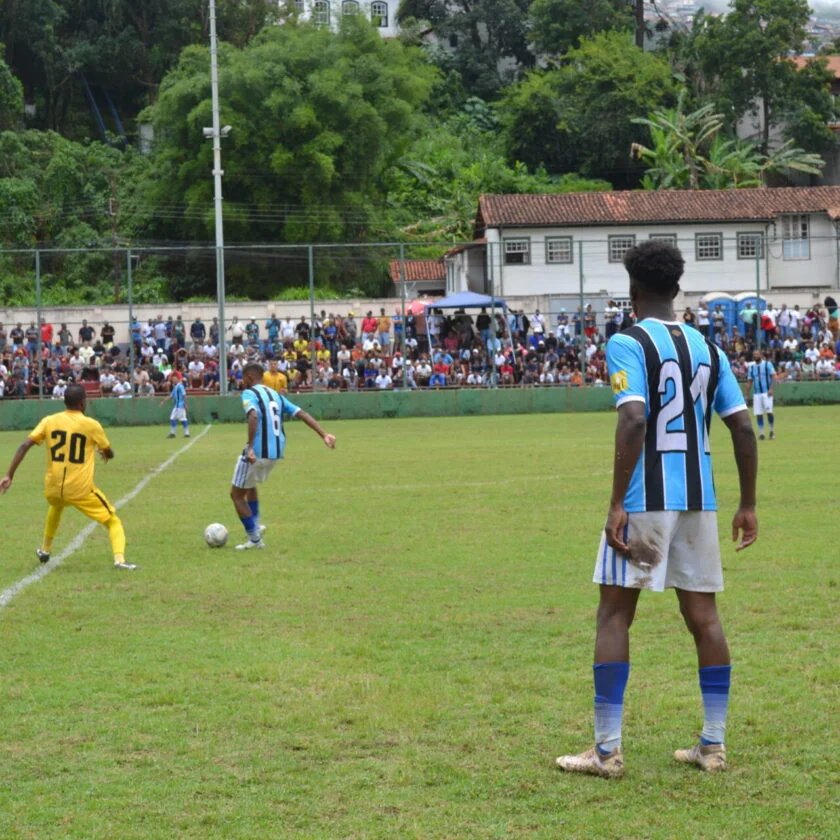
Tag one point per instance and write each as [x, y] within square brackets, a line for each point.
[215, 535]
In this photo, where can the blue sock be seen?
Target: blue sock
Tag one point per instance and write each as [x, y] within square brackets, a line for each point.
[186, 425]
[770, 420]
[761, 423]
[714, 686]
[255, 509]
[251, 528]
[172, 426]
[610, 682]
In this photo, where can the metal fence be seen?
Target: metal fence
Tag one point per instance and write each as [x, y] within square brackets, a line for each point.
[552, 301]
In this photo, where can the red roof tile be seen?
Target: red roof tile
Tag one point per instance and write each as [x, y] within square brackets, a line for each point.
[419, 270]
[832, 62]
[670, 206]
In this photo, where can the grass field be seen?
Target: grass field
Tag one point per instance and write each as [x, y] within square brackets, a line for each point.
[412, 650]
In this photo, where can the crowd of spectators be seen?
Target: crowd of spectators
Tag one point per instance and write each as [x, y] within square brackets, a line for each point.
[381, 351]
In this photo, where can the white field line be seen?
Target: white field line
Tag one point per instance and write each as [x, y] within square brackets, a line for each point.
[78, 541]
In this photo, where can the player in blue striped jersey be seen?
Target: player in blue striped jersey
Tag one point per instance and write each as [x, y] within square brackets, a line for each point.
[761, 377]
[265, 410]
[661, 530]
[178, 395]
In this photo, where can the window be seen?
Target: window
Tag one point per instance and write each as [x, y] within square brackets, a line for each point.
[670, 238]
[321, 12]
[349, 7]
[453, 41]
[619, 246]
[299, 5]
[708, 246]
[796, 244]
[558, 249]
[750, 246]
[379, 14]
[517, 251]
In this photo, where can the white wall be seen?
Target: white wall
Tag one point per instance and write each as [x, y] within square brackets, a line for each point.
[729, 274]
[392, 30]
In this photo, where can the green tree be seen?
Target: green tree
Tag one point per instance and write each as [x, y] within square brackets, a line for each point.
[318, 120]
[558, 25]
[576, 117]
[486, 43]
[743, 57]
[459, 160]
[688, 150]
[11, 96]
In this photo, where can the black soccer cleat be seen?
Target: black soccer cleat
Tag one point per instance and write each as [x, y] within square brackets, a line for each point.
[43, 556]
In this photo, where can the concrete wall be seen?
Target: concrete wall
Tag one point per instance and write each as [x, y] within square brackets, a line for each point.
[25, 414]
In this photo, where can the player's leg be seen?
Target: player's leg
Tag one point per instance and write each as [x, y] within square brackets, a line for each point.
[699, 610]
[54, 512]
[771, 418]
[244, 479]
[758, 411]
[173, 422]
[97, 507]
[696, 574]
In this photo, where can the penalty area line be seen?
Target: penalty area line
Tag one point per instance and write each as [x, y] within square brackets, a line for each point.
[79, 540]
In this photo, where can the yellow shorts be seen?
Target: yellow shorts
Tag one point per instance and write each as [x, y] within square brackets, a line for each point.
[95, 506]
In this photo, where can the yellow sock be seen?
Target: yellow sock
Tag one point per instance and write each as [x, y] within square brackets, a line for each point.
[117, 536]
[51, 527]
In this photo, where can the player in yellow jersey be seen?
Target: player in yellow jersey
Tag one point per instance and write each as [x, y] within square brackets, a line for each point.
[72, 443]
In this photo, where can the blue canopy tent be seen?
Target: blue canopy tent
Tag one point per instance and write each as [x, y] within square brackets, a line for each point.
[468, 300]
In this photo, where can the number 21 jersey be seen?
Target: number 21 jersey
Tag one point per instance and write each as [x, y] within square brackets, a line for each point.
[681, 378]
[72, 440]
[270, 408]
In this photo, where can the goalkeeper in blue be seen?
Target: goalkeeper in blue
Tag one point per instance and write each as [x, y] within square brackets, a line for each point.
[265, 410]
[661, 530]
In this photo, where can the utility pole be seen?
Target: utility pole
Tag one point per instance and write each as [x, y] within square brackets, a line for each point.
[639, 15]
[216, 133]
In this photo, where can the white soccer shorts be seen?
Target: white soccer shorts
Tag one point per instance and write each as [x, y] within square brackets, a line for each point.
[762, 403]
[178, 415]
[669, 549]
[246, 476]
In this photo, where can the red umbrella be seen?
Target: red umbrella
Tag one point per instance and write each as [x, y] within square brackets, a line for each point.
[417, 307]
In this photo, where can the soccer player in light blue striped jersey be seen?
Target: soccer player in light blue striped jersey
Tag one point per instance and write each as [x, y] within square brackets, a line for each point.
[761, 379]
[178, 395]
[265, 410]
[661, 529]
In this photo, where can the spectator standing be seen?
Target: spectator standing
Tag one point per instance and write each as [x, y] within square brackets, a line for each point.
[32, 334]
[46, 334]
[198, 331]
[688, 317]
[369, 327]
[3, 338]
[236, 330]
[538, 323]
[287, 330]
[272, 330]
[349, 325]
[179, 332]
[16, 335]
[214, 332]
[86, 332]
[703, 319]
[718, 323]
[398, 326]
[383, 329]
[160, 333]
[483, 323]
[252, 331]
[589, 323]
[106, 334]
[613, 317]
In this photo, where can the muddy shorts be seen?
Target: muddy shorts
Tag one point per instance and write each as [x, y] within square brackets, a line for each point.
[669, 549]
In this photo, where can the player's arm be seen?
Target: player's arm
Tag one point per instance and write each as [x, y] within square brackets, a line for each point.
[20, 454]
[746, 459]
[626, 367]
[253, 425]
[773, 379]
[629, 440]
[313, 424]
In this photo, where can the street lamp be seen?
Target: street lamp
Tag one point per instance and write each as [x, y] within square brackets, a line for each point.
[216, 133]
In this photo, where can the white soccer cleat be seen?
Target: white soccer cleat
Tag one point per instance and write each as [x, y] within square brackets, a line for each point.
[610, 766]
[708, 757]
[262, 530]
[247, 546]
